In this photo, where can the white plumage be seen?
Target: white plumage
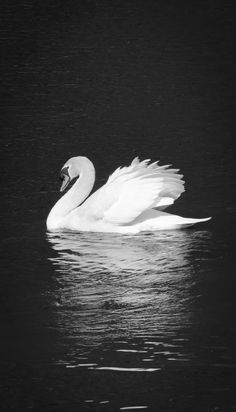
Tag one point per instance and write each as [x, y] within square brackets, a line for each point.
[132, 200]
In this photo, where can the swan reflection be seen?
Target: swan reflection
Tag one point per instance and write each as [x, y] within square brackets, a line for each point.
[119, 286]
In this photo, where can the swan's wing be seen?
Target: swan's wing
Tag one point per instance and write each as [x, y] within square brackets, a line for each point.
[131, 190]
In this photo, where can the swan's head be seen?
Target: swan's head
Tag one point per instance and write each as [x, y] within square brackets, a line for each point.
[73, 168]
[69, 171]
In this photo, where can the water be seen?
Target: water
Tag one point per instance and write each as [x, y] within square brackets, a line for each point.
[99, 321]
[105, 321]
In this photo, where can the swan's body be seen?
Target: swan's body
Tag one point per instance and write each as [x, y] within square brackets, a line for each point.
[131, 201]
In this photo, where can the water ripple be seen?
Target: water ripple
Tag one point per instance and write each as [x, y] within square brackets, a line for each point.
[121, 289]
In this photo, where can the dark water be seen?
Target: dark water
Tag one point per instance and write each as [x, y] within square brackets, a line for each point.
[99, 321]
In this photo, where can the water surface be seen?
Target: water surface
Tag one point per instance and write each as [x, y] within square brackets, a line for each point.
[98, 321]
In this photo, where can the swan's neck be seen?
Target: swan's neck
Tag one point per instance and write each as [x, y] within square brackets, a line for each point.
[75, 196]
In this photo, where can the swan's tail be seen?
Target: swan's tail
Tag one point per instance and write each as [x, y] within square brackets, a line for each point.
[187, 222]
[158, 220]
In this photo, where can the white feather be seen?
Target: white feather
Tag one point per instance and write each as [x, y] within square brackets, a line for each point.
[131, 190]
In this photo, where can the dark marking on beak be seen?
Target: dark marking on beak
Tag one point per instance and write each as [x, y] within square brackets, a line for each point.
[65, 177]
[64, 171]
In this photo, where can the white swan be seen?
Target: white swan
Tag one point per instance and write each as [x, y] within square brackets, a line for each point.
[131, 201]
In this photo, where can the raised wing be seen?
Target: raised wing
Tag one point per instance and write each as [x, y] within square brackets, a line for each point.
[131, 190]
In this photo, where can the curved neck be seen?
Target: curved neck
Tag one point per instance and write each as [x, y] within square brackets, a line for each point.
[77, 193]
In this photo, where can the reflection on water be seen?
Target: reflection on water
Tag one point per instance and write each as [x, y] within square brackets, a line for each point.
[134, 291]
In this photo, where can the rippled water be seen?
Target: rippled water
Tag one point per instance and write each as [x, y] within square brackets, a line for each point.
[117, 322]
[132, 305]
[122, 287]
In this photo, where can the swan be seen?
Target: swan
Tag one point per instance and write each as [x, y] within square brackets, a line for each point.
[131, 201]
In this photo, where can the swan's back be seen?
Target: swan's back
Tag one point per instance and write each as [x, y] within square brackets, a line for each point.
[131, 190]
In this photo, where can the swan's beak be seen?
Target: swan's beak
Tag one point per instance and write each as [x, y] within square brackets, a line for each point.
[65, 182]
